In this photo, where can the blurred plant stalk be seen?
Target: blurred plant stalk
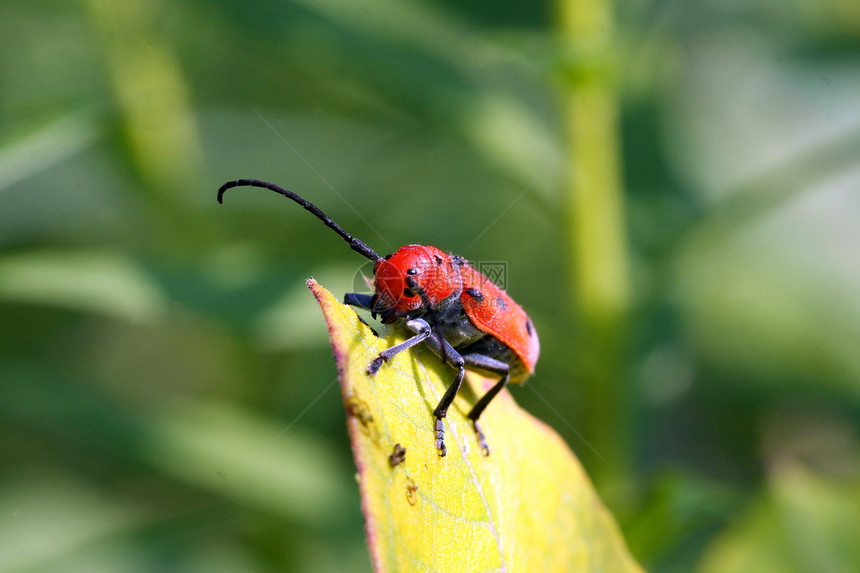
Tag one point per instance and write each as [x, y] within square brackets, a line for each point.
[597, 242]
[154, 107]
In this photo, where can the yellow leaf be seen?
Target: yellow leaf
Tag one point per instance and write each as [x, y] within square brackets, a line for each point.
[527, 507]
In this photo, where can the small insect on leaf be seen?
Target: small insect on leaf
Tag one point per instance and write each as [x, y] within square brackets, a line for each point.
[398, 456]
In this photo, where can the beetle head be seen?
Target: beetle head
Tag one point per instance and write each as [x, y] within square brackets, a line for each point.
[401, 276]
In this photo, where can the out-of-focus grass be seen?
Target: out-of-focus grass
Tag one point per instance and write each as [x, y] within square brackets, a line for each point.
[166, 397]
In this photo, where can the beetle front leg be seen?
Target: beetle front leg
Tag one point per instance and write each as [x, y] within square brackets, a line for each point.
[358, 299]
[421, 329]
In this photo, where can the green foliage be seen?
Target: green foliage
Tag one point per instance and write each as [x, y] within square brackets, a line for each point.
[167, 393]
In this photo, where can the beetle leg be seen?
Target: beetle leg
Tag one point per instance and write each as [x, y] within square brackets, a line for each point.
[487, 364]
[454, 359]
[360, 300]
[443, 349]
[421, 329]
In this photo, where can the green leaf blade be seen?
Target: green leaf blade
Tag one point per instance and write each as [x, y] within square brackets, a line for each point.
[529, 506]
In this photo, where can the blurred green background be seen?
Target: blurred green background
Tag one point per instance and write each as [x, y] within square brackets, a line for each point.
[168, 398]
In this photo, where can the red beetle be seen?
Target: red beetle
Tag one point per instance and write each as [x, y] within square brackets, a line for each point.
[463, 317]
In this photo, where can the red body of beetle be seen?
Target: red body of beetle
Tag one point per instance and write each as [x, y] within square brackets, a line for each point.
[445, 277]
[452, 308]
[494, 312]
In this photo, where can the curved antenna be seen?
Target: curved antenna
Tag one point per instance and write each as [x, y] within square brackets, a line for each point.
[354, 243]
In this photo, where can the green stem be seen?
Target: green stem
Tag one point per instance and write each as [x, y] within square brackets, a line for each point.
[597, 239]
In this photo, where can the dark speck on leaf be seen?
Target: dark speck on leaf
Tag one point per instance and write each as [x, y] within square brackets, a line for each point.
[398, 456]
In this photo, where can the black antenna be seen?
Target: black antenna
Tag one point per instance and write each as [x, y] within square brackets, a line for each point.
[354, 243]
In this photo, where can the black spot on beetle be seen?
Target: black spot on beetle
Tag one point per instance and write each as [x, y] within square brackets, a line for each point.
[475, 293]
[501, 302]
[438, 259]
[412, 271]
[529, 328]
